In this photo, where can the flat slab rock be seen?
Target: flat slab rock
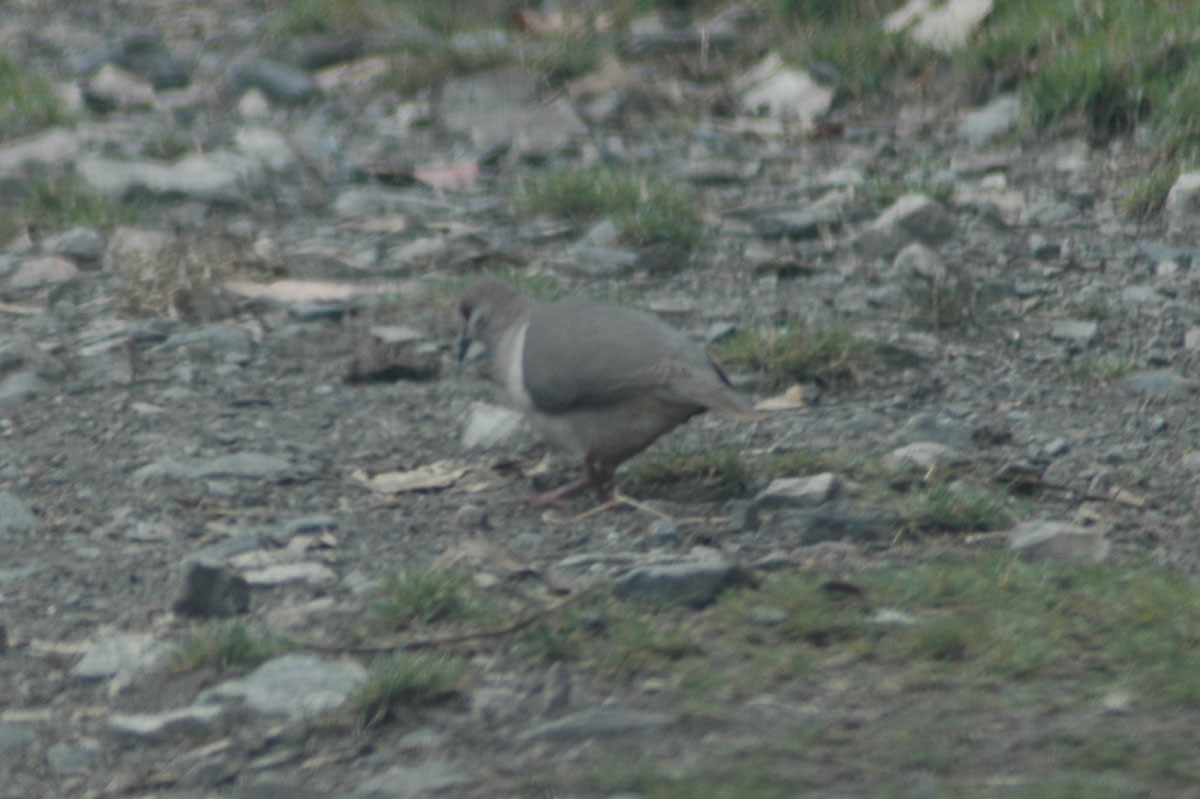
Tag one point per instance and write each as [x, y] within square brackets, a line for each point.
[292, 685]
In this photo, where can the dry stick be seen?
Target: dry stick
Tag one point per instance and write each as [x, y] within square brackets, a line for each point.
[446, 640]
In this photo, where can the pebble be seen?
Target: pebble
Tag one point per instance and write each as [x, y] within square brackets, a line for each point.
[694, 581]
[14, 516]
[603, 722]
[211, 590]
[296, 686]
[279, 82]
[1058, 541]
[799, 492]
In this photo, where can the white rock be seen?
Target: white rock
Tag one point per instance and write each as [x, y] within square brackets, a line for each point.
[799, 492]
[783, 92]
[943, 27]
[490, 425]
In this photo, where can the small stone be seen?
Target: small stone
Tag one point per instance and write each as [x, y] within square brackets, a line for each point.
[121, 653]
[984, 124]
[695, 581]
[1159, 383]
[1058, 541]
[74, 758]
[605, 722]
[892, 617]
[1056, 447]
[925, 427]
[1182, 208]
[189, 722]
[431, 778]
[1076, 331]
[376, 361]
[743, 517]
[923, 455]
[309, 573]
[911, 217]
[15, 737]
[14, 517]
[795, 224]
[783, 92]
[491, 426]
[556, 691]
[470, 518]
[799, 492]
[81, 243]
[43, 270]
[213, 591]
[279, 82]
[292, 685]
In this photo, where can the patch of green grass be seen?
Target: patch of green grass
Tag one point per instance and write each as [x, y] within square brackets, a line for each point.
[955, 507]
[28, 101]
[808, 460]
[56, 203]
[303, 17]
[645, 208]
[419, 599]
[1095, 370]
[1147, 192]
[711, 475]
[224, 645]
[830, 354]
[1109, 64]
[845, 44]
[407, 680]
[639, 643]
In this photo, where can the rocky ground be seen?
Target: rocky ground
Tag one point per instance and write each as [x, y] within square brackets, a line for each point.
[216, 382]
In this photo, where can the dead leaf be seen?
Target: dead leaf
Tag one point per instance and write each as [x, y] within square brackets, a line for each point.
[789, 400]
[453, 176]
[430, 477]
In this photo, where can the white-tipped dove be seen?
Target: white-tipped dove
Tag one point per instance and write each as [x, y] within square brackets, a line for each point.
[600, 381]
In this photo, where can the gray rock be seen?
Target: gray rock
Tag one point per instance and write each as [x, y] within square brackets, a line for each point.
[835, 522]
[240, 465]
[491, 426]
[142, 53]
[1182, 209]
[1058, 541]
[498, 108]
[783, 92]
[556, 691]
[939, 429]
[81, 243]
[799, 492]
[743, 517]
[1075, 331]
[917, 259]
[795, 224]
[43, 271]
[14, 517]
[15, 737]
[120, 654]
[1157, 383]
[310, 524]
[269, 147]
[270, 789]
[923, 455]
[213, 591]
[52, 147]
[229, 341]
[695, 581]
[217, 176]
[189, 722]
[283, 573]
[19, 387]
[984, 124]
[1155, 252]
[73, 758]
[495, 705]
[911, 217]
[604, 722]
[292, 685]
[428, 779]
[113, 88]
[279, 82]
